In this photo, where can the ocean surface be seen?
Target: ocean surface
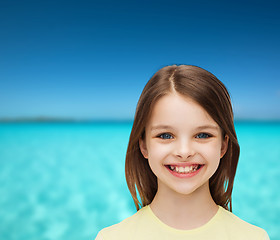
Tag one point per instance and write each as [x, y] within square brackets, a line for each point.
[66, 180]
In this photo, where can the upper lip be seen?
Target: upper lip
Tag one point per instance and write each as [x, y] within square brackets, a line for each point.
[183, 164]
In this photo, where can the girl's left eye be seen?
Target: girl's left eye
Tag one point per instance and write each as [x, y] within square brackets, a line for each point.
[203, 135]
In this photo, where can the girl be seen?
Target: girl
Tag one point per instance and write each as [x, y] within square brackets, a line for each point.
[181, 161]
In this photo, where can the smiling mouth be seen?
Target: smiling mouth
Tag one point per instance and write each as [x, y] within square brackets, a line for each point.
[184, 169]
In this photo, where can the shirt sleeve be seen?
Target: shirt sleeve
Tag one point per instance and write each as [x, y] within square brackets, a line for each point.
[98, 237]
[265, 236]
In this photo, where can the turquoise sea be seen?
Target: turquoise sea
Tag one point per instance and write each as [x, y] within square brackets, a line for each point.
[66, 180]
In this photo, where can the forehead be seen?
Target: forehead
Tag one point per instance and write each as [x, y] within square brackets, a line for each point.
[177, 110]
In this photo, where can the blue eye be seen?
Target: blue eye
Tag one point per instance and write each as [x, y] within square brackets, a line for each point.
[203, 135]
[165, 136]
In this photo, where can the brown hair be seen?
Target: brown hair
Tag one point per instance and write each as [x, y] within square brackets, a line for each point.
[204, 88]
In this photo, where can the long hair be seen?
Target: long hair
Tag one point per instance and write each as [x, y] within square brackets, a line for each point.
[210, 93]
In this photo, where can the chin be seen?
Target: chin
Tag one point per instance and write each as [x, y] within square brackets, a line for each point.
[186, 192]
[187, 189]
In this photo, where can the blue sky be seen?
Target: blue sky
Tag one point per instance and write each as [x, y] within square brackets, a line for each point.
[91, 59]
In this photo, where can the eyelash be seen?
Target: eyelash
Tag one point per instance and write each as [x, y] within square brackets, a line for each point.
[206, 135]
[167, 136]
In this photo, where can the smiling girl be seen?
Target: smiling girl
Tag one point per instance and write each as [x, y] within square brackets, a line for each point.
[181, 161]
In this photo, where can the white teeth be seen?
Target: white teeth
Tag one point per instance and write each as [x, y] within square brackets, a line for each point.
[186, 169]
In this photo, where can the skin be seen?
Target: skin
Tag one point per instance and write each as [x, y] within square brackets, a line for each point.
[181, 133]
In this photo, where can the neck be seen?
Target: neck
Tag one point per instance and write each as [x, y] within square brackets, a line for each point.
[184, 211]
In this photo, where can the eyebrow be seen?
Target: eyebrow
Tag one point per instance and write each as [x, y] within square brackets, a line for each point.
[166, 127]
[208, 127]
[160, 127]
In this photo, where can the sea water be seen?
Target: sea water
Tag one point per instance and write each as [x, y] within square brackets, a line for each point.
[66, 180]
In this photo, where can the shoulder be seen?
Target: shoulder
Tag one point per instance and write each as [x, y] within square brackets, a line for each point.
[239, 228]
[125, 229]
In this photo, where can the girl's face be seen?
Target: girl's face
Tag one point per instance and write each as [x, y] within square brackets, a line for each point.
[183, 144]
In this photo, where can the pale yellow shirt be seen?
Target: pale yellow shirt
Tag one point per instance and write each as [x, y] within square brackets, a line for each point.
[145, 225]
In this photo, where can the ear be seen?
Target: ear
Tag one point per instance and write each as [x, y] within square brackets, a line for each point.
[224, 146]
[143, 148]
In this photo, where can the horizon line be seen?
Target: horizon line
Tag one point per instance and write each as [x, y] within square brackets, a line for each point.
[41, 119]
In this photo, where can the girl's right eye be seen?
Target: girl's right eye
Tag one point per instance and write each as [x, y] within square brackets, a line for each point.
[165, 136]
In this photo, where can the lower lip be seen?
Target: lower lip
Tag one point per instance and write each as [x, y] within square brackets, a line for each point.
[184, 175]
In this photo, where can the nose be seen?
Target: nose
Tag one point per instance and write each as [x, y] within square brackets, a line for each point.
[184, 150]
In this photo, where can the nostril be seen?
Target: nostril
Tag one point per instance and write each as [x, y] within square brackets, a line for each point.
[185, 155]
[184, 149]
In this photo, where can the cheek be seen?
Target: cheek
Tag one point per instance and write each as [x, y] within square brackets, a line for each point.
[156, 151]
[157, 154]
[212, 153]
